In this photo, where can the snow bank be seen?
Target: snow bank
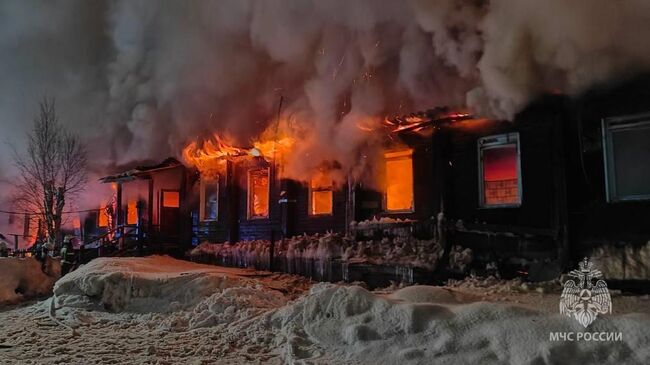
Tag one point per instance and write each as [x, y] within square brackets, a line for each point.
[150, 284]
[233, 305]
[425, 325]
[623, 262]
[22, 278]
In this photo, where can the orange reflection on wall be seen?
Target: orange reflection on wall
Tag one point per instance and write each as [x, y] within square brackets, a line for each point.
[399, 180]
[258, 193]
[171, 199]
[320, 187]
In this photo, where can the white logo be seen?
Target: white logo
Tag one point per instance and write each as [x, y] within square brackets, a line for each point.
[585, 300]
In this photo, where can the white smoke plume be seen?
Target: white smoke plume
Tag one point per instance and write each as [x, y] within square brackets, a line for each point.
[140, 79]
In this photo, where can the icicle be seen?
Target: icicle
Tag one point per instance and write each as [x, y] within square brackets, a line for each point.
[405, 274]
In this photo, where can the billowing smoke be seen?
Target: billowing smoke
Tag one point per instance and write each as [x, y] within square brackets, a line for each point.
[140, 79]
[530, 47]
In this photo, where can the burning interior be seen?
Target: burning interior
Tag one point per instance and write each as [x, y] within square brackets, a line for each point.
[399, 181]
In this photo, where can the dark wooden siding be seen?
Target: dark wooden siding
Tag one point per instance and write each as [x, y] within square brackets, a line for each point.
[535, 228]
[310, 224]
[594, 221]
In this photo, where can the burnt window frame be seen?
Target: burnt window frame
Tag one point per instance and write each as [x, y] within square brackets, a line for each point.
[202, 189]
[493, 142]
[310, 199]
[409, 152]
[608, 125]
[249, 216]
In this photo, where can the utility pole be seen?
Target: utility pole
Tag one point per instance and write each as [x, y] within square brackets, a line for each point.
[275, 174]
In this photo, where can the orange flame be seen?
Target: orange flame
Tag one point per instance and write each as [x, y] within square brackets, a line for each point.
[269, 149]
[210, 149]
[208, 155]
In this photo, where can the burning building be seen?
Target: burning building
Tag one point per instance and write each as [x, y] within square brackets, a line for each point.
[554, 184]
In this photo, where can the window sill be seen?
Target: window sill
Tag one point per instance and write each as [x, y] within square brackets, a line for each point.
[501, 206]
[399, 211]
[631, 199]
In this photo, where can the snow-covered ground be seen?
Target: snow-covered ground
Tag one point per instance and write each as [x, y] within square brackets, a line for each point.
[158, 310]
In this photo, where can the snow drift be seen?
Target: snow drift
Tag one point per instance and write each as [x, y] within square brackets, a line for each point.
[22, 278]
[425, 325]
[144, 285]
[332, 324]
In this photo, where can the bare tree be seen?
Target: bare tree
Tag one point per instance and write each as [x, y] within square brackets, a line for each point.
[52, 169]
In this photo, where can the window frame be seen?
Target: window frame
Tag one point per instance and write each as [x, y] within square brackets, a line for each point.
[493, 142]
[310, 203]
[202, 188]
[401, 154]
[618, 123]
[249, 216]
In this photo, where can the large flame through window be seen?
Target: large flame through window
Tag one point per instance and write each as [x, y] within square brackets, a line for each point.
[258, 193]
[399, 181]
[321, 193]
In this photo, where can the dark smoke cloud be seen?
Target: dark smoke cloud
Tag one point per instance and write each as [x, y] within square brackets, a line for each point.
[139, 79]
